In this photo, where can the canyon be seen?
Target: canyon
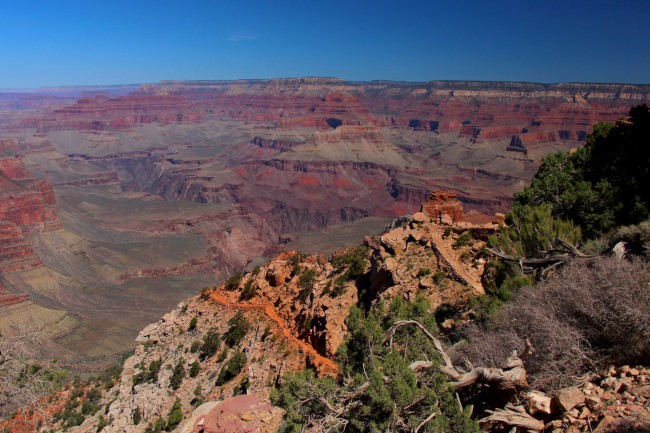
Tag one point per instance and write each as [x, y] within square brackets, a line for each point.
[118, 202]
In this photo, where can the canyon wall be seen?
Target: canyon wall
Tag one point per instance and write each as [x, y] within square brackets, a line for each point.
[137, 196]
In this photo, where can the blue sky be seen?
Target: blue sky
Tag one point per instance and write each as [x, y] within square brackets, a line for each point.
[68, 42]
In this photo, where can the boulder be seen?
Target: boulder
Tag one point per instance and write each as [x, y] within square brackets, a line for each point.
[641, 391]
[419, 217]
[538, 402]
[244, 413]
[568, 398]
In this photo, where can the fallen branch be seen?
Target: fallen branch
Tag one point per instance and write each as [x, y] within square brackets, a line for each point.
[512, 377]
[427, 419]
[515, 416]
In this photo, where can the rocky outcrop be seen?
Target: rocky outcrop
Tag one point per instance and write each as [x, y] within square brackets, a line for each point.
[281, 145]
[7, 298]
[26, 203]
[14, 169]
[351, 133]
[9, 146]
[443, 207]
[16, 253]
[244, 413]
[105, 113]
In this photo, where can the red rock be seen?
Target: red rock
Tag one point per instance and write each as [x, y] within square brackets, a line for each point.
[15, 252]
[443, 204]
[7, 298]
[568, 398]
[13, 168]
[244, 413]
[9, 146]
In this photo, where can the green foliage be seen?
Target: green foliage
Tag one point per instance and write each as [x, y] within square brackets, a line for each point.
[241, 388]
[602, 184]
[137, 416]
[306, 283]
[351, 265]
[380, 393]
[239, 327]
[423, 272]
[249, 291]
[223, 355]
[205, 293]
[438, 276]
[195, 368]
[193, 323]
[533, 232]
[211, 343]
[339, 286]
[232, 283]
[177, 375]
[196, 345]
[464, 239]
[198, 396]
[89, 408]
[156, 427]
[175, 415]
[353, 262]
[101, 423]
[294, 261]
[232, 368]
[114, 371]
[70, 417]
[148, 374]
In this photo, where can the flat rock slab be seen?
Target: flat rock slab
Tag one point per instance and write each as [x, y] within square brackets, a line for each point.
[568, 398]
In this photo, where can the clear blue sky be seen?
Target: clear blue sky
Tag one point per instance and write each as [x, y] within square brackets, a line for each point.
[68, 42]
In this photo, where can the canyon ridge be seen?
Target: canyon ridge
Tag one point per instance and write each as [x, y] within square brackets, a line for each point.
[118, 202]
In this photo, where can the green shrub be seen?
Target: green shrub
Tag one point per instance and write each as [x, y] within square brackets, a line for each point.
[232, 283]
[249, 292]
[438, 276]
[156, 427]
[423, 272]
[239, 327]
[175, 415]
[177, 375]
[232, 368]
[101, 423]
[195, 368]
[137, 415]
[73, 419]
[211, 343]
[306, 283]
[148, 374]
[339, 286]
[205, 293]
[353, 262]
[464, 239]
[193, 324]
[601, 185]
[196, 344]
[448, 231]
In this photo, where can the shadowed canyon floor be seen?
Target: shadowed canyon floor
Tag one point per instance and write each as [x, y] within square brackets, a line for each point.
[117, 203]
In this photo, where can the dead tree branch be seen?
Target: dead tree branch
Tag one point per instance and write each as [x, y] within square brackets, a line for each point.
[512, 377]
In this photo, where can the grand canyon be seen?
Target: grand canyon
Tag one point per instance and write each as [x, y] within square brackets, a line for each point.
[118, 202]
